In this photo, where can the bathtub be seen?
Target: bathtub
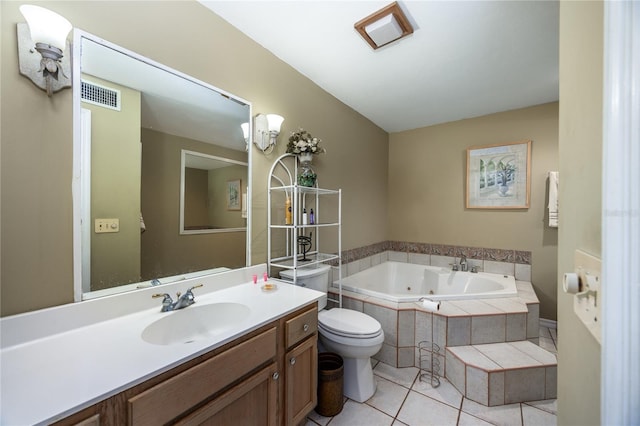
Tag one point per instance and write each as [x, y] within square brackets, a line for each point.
[407, 282]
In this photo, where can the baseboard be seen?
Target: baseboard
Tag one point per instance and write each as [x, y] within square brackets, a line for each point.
[548, 323]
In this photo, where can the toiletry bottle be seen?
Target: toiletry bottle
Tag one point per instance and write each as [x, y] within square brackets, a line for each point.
[287, 212]
[304, 216]
[312, 217]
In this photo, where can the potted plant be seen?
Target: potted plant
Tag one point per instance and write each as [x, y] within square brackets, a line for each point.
[302, 143]
[305, 146]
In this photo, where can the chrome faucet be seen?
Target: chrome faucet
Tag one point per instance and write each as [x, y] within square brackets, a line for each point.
[463, 263]
[183, 301]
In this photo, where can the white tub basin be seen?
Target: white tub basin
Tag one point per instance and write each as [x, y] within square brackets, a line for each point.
[194, 323]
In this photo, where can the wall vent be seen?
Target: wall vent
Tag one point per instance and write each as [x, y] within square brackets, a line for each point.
[100, 95]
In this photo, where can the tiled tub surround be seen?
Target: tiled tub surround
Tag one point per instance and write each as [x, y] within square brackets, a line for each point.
[457, 323]
[502, 373]
[496, 261]
[463, 329]
[487, 259]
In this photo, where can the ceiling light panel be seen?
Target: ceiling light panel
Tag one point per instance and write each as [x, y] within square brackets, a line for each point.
[384, 26]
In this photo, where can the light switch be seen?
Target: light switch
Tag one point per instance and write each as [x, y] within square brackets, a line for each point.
[107, 225]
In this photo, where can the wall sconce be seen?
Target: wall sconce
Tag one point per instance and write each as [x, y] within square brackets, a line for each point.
[267, 129]
[46, 32]
[245, 134]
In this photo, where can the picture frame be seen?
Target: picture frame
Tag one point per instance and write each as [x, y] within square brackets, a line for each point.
[499, 176]
[234, 194]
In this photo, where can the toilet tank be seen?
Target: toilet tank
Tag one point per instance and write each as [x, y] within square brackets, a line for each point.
[315, 277]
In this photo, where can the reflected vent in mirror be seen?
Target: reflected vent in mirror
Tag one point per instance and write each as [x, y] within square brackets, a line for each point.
[100, 95]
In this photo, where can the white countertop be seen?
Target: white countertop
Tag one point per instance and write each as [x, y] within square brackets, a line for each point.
[50, 377]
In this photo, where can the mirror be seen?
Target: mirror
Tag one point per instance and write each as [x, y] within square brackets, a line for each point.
[212, 194]
[148, 142]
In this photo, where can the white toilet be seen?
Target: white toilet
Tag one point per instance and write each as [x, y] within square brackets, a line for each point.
[353, 335]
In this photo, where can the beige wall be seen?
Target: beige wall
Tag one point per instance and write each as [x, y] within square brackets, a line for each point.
[580, 149]
[196, 213]
[36, 132]
[115, 188]
[427, 172]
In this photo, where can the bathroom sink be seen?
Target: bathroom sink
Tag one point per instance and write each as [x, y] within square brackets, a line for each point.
[194, 323]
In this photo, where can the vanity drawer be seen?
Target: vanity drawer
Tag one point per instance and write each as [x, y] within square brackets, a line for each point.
[301, 326]
[169, 399]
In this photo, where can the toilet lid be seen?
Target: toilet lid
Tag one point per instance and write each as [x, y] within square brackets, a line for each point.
[349, 323]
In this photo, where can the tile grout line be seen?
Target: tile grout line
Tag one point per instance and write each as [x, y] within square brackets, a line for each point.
[459, 408]
[541, 408]
[405, 399]
[553, 339]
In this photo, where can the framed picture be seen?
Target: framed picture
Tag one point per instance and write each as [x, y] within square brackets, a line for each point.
[498, 176]
[234, 194]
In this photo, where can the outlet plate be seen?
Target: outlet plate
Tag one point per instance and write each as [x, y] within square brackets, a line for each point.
[107, 226]
[587, 304]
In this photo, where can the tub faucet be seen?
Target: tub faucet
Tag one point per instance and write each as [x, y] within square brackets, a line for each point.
[183, 301]
[463, 263]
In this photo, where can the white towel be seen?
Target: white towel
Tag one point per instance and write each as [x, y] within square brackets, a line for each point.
[553, 199]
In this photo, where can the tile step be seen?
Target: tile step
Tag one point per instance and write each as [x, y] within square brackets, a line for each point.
[502, 373]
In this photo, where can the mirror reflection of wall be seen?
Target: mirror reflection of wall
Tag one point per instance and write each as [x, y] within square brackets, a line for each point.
[139, 118]
[115, 184]
[213, 189]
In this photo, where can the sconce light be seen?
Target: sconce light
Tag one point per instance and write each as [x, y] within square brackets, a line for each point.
[46, 32]
[267, 129]
[245, 134]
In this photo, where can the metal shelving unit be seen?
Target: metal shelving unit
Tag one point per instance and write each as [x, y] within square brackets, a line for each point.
[284, 250]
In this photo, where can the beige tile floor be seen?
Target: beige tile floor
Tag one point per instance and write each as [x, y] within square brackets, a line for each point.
[402, 399]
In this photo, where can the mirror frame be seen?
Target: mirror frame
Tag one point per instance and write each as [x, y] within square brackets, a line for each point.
[183, 154]
[81, 195]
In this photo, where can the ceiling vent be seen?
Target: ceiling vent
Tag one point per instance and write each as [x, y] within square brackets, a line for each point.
[103, 96]
[384, 26]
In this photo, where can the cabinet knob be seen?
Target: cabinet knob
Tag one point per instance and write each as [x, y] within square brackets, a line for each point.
[276, 376]
[292, 361]
[305, 328]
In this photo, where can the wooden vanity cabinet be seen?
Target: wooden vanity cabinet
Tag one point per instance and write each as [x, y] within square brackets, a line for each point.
[253, 401]
[266, 377]
[301, 366]
[170, 400]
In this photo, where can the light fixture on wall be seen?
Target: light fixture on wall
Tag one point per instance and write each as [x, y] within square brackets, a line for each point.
[266, 130]
[45, 32]
[384, 26]
[245, 134]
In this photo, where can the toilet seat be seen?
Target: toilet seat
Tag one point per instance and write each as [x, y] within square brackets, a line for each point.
[349, 323]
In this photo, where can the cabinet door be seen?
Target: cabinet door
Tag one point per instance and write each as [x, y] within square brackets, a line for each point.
[301, 364]
[252, 402]
[179, 394]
